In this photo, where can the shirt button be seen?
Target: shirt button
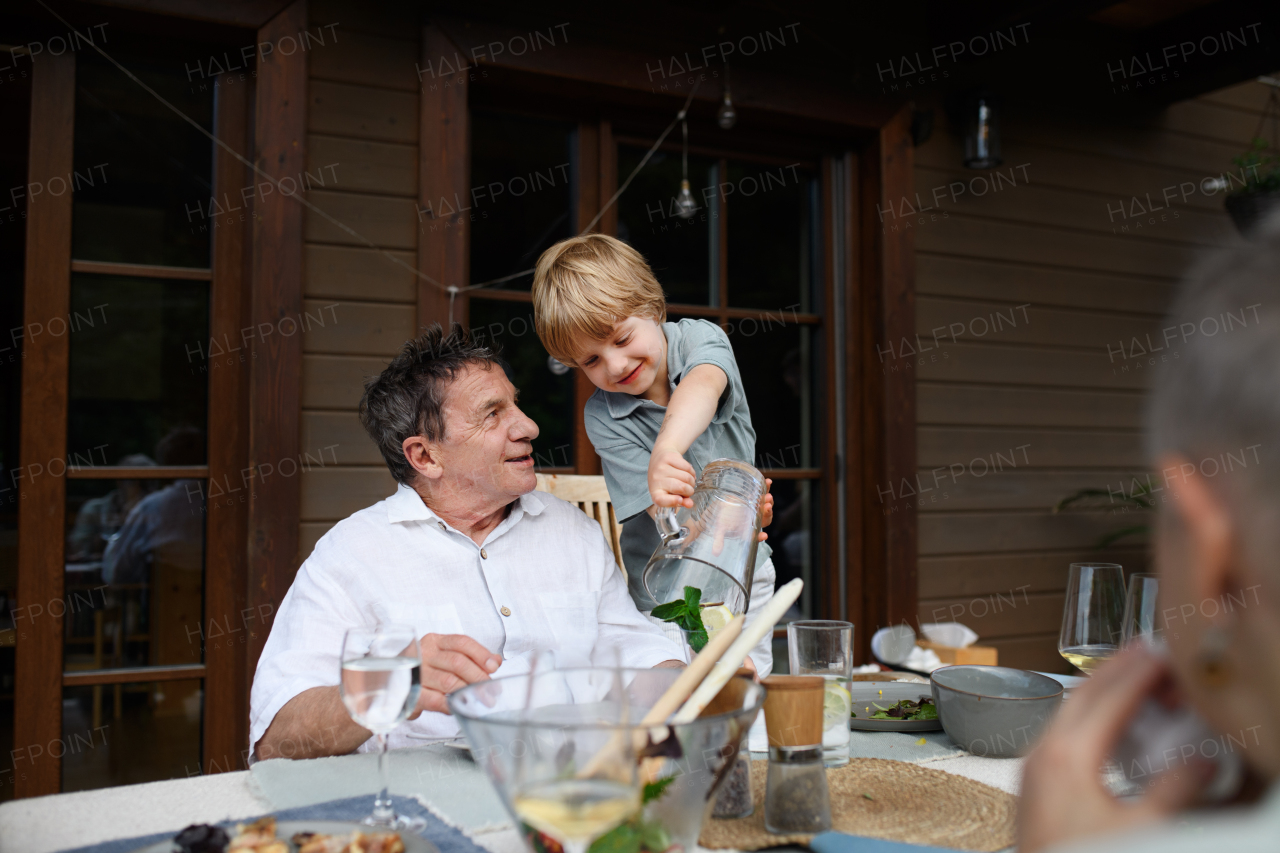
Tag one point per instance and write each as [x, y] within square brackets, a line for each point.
[506, 611]
[442, 527]
[483, 555]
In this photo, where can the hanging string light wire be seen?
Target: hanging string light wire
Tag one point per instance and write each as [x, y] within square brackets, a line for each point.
[686, 207]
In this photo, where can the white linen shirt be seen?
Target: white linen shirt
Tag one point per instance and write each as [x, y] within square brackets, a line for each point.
[544, 579]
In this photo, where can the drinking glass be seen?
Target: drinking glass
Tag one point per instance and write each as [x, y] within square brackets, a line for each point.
[380, 671]
[825, 647]
[1093, 614]
[1142, 617]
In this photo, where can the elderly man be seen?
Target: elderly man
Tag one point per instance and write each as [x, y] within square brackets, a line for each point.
[488, 570]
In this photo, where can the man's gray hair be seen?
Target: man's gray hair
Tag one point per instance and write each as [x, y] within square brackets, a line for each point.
[407, 398]
[1216, 399]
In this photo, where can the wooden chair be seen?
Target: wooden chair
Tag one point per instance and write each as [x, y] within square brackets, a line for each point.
[592, 497]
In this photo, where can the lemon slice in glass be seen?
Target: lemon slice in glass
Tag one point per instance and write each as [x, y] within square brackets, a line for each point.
[714, 618]
[837, 705]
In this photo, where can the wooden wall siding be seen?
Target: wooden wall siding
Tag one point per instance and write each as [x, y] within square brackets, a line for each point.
[992, 554]
[363, 121]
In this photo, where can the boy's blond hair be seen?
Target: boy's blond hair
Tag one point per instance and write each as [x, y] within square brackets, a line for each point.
[583, 285]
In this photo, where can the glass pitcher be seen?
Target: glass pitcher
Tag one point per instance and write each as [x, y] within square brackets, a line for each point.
[712, 546]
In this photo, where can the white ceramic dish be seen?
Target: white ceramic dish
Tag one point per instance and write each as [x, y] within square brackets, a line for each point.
[286, 829]
[884, 694]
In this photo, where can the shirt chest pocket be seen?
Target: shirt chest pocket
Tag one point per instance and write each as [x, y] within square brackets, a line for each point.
[572, 619]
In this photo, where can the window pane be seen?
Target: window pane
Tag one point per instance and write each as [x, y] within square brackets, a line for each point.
[545, 397]
[775, 362]
[522, 198]
[138, 369]
[681, 252]
[123, 734]
[793, 538]
[143, 176]
[134, 573]
[772, 237]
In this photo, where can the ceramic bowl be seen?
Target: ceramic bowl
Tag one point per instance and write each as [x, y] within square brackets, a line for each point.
[994, 710]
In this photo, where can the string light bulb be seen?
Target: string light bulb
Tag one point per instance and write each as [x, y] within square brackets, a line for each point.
[686, 205]
[726, 116]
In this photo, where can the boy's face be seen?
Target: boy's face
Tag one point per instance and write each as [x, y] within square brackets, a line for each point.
[629, 360]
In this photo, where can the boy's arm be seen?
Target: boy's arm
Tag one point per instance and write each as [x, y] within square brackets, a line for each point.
[693, 405]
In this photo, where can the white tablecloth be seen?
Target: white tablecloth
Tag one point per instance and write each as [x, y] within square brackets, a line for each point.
[62, 821]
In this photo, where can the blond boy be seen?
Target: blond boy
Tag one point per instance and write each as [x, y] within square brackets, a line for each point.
[669, 398]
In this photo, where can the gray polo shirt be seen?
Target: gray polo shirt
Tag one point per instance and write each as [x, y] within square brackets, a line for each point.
[623, 428]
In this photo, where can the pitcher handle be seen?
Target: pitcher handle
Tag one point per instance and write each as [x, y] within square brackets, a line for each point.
[668, 527]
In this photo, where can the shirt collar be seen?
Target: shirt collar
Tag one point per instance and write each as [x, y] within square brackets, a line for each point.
[407, 505]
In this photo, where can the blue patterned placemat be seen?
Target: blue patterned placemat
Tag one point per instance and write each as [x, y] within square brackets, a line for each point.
[443, 836]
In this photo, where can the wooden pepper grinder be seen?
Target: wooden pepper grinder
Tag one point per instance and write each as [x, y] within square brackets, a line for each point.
[796, 796]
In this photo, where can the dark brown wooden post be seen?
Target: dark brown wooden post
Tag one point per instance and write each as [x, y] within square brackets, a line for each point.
[226, 729]
[443, 173]
[276, 281]
[888, 443]
[42, 496]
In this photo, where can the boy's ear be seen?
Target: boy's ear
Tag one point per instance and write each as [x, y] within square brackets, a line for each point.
[423, 456]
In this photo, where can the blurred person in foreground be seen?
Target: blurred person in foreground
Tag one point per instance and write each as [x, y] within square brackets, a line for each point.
[1217, 535]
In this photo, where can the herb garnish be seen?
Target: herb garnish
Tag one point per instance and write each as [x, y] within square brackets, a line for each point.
[637, 834]
[687, 614]
[905, 710]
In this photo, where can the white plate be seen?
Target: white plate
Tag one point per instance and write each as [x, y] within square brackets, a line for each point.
[286, 829]
[884, 694]
[1068, 682]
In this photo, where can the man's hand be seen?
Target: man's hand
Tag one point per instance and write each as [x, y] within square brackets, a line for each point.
[1063, 797]
[449, 662]
[671, 478]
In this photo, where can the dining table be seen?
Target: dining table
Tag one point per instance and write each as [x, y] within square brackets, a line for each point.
[438, 781]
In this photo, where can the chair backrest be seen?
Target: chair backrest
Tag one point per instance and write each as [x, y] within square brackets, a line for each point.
[591, 495]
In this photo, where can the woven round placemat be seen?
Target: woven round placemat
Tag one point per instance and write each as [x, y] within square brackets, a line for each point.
[893, 800]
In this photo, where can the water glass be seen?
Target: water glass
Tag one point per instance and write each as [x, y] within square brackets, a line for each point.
[1142, 618]
[381, 666]
[825, 647]
[1092, 615]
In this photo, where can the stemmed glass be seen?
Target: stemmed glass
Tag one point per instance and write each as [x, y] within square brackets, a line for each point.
[1093, 613]
[380, 672]
[1142, 617]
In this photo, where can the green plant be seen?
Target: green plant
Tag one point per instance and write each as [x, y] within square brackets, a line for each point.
[1261, 169]
[1085, 499]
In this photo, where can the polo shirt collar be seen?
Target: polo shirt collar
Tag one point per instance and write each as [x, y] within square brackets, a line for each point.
[407, 505]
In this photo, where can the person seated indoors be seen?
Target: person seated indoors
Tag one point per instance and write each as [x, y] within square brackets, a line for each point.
[669, 396]
[1213, 421]
[492, 574]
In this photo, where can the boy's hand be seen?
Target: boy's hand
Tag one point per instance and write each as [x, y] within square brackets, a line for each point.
[766, 510]
[671, 478]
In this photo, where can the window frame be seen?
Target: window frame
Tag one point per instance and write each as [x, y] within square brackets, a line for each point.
[237, 260]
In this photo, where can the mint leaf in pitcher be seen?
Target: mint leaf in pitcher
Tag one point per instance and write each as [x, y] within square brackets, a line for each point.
[686, 613]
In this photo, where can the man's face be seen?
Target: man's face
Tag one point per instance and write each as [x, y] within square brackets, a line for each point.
[487, 451]
[628, 359]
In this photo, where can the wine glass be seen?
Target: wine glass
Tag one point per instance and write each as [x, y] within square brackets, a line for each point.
[379, 686]
[1142, 618]
[1093, 614]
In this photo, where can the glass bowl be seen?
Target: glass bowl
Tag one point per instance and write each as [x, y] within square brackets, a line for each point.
[556, 717]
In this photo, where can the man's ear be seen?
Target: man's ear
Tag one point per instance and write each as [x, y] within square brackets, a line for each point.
[423, 456]
[1207, 524]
